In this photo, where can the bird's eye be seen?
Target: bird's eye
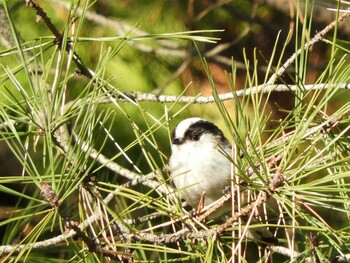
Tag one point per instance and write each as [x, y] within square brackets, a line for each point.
[176, 141]
[195, 137]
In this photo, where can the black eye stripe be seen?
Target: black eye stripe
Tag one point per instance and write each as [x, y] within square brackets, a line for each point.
[196, 130]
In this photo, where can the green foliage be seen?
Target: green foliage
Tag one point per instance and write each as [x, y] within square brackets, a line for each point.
[78, 112]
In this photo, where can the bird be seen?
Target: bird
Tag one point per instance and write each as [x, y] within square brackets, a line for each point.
[197, 163]
[200, 166]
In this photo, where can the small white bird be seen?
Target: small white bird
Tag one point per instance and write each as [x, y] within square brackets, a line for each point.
[199, 164]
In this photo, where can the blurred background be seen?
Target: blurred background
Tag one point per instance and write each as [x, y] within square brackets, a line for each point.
[249, 30]
[247, 34]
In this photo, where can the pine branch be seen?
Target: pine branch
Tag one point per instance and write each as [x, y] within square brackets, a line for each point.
[261, 89]
[317, 38]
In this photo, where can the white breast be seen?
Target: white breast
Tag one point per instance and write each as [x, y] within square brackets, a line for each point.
[198, 167]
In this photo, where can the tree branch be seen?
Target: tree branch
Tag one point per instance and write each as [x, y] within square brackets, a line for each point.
[261, 89]
[318, 37]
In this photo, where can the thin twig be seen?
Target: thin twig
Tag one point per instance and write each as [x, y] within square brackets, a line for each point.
[318, 37]
[83, 69]
[185, 234]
